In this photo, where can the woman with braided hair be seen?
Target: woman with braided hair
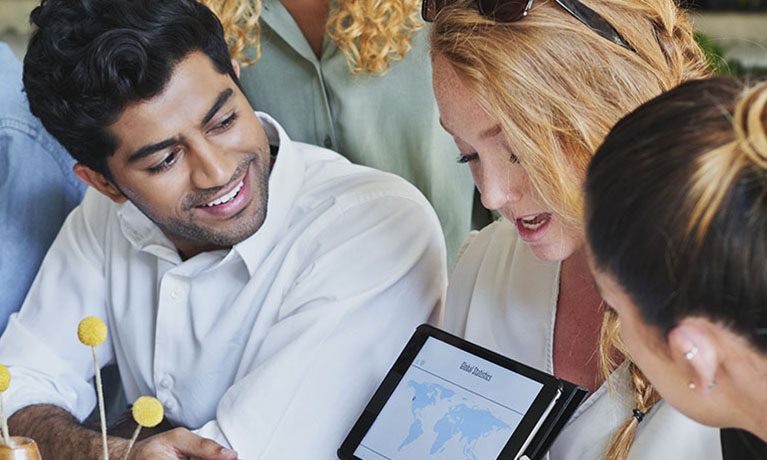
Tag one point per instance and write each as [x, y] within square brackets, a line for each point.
[354, 76]
[683, 181]
[529, 90]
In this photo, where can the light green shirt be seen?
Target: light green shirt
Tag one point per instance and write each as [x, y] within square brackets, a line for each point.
[389, 123]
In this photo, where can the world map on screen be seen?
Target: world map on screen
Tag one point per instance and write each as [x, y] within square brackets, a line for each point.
[459, 423]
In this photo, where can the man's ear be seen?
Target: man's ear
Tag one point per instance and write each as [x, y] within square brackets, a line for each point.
[236, 66]
[693, 346]
[99, 182]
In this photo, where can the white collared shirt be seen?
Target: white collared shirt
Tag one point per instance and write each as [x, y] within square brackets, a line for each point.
[273, 347]
[503, 297]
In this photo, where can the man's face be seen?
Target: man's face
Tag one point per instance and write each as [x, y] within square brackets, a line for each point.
[195, 159]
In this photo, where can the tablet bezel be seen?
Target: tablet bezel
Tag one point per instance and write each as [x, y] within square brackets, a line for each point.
[552, 387]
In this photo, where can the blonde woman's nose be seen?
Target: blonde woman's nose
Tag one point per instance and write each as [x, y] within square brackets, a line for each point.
[498, 189]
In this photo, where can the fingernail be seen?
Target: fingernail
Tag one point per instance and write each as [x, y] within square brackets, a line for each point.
[226, 451]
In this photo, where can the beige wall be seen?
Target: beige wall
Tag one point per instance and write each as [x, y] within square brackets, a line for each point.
[14, 23]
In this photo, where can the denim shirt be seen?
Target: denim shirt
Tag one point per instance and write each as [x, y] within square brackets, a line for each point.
[37, 188]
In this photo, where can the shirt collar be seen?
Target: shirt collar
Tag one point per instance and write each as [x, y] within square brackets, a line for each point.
[278, 18]
[285, 181]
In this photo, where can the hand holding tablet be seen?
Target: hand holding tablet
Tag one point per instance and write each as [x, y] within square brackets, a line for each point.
[446, 398]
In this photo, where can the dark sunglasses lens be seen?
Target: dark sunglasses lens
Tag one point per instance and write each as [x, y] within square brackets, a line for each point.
[503, 10]
[430, 8]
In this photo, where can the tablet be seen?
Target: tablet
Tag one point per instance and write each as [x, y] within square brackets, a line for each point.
[447, 399]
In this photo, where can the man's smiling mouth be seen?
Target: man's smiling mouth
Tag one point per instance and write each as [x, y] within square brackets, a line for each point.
[226, 198]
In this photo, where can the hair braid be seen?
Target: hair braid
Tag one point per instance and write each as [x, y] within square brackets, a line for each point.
[645, 395]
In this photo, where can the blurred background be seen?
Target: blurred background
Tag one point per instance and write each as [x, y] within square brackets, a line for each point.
[733, 31]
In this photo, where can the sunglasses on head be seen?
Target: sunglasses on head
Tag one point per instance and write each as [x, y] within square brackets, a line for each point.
[514, 10]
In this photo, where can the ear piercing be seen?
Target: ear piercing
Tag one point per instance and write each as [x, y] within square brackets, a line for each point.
[691, 354]
[710, 385]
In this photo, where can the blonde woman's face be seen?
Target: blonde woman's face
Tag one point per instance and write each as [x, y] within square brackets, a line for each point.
[500, 178]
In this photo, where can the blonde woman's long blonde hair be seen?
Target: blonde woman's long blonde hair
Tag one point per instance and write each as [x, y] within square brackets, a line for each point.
[556, 88]
[371, 33]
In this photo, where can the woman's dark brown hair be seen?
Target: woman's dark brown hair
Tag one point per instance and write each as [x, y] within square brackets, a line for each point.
[676, 207]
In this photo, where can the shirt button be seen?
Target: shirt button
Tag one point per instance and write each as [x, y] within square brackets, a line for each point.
[328, 142]
[166, 382]
[176, 294]
[169, 403]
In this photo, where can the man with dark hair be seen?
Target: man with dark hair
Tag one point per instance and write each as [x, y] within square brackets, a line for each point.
[259, 287]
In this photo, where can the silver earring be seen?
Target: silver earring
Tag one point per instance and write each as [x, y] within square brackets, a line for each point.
[691, 385]
[691, 354]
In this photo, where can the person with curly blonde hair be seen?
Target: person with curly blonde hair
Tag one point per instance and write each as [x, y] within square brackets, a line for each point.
[683, 181]
[529, 90]
[354, 76]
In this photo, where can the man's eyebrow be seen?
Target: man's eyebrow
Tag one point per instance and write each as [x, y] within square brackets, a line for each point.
[223, 96]
[147, 150]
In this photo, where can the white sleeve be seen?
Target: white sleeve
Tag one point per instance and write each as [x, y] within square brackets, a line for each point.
[48, 364]
[373, 274]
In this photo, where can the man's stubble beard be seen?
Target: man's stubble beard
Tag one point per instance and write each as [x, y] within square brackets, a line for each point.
[244, 226]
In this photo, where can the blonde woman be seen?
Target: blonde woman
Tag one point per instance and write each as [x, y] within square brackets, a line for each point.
[684, 180]
[354, 76]
[529, 90]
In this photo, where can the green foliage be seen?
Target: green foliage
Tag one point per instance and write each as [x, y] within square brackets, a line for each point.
[714, 53]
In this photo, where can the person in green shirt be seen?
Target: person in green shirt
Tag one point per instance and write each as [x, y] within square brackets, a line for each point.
[355, 78]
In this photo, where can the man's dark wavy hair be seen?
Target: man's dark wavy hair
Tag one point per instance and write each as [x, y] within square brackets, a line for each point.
[89, 60]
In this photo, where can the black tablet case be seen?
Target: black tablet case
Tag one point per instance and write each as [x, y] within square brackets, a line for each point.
[572, 396]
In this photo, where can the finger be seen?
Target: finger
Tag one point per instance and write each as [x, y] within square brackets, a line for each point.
[191, 445]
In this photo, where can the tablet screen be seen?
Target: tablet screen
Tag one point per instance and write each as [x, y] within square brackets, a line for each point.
[449, 404]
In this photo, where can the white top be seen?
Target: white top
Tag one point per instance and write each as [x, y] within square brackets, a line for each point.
[501, 296]
[274, 346]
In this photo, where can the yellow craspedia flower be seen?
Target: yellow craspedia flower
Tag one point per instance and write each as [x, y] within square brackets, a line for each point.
[147, 411]
[5, 378]
[92, 331]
